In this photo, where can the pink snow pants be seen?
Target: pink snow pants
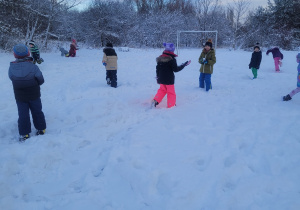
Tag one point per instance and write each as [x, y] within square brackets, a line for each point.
[276, 61]
[171, 95]
[294, 92]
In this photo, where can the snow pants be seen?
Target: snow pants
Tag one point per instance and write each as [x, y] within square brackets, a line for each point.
[171, 95]
[38, 116]
[112, 76]
[205, 78]
[277, 62]
[294, 92]
[254, 72]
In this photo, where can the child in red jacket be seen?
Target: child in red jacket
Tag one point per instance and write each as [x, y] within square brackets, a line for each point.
[73, 48]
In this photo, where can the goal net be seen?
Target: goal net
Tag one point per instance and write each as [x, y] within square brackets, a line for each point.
[195, 38]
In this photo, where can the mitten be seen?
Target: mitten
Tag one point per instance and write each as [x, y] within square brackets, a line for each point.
[104, 64]
[203, 61]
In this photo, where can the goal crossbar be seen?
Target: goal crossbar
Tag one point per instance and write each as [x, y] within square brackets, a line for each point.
[179, 32]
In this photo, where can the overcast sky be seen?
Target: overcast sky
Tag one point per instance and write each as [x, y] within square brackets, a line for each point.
[254, 3]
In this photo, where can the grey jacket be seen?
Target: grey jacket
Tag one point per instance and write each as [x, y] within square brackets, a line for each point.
[26, 78]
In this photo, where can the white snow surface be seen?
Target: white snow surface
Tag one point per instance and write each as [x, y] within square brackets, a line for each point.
[236, 147]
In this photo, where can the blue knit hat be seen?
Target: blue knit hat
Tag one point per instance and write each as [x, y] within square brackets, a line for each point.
[169, 47]
[21, 51]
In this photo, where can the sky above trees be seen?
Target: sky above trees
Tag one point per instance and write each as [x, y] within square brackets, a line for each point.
[253, 3]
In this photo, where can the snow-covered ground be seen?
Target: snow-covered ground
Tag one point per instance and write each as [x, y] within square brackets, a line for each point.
[234, 147]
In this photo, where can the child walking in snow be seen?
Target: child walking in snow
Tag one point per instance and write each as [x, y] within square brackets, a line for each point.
[110, 62]
[297, 90]
[255, 61]
[207, 60]
[165, 68]
[277, 56]
[35, 53]
[26, 79]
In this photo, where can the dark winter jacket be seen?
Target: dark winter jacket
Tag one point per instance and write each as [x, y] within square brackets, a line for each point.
[276, 53]
[26, 79]
[165, 68]
[110, 58]
[255, 60]
[72, 51]
[210, 56]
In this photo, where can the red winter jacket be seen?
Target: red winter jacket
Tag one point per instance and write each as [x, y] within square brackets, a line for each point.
[72, 51]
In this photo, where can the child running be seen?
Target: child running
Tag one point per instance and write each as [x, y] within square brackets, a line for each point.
[165, 68]
[277, 56]
[297, 90]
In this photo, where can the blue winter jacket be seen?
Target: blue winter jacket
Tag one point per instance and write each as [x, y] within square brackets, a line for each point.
[26, 78]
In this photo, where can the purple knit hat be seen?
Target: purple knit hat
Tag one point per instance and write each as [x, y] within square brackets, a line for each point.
[21, 51]
[169, 47]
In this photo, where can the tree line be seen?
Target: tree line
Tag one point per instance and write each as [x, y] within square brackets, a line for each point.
[149, 23]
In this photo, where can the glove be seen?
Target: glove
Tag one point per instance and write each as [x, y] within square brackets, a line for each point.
[104, 64]
[186, 63]
[205, 62]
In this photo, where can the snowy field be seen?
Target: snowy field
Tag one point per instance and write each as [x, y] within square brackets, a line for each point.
[236, 147]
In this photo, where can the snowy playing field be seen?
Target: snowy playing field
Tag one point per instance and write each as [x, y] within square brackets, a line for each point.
[236, 147]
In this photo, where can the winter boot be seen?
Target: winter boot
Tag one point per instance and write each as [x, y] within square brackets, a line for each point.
[287, 97]
[40, 132]
[154, 103]
[40, 60]
[22, 138]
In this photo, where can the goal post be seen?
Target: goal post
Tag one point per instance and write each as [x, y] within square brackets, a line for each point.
[179, 32]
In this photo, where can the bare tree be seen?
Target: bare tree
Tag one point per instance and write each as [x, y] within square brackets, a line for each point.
[203, 11]
[55, 7]
[239, 9]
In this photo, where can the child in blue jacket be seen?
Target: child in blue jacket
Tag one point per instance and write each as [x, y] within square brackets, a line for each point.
[26, 79]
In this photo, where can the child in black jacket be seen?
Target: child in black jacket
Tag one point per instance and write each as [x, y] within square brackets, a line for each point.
[165, 68]
[255, 61]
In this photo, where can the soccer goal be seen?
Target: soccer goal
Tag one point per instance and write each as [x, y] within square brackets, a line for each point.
[203, 32]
